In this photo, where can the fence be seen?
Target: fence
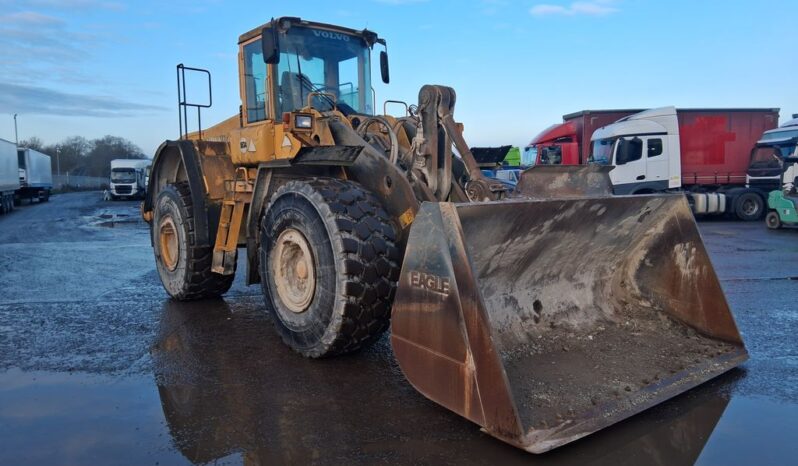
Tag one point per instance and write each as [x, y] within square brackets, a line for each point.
[72, 182]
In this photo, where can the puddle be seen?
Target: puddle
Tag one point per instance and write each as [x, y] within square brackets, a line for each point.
[225, 390]
[111, 219]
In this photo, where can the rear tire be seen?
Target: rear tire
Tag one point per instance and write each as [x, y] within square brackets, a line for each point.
[749, 206]
[328, 266]
[772, 220]
[184, 267]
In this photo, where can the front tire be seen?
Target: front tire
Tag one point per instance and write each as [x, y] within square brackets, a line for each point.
[184, 267]
[772, 220]
[328, 266]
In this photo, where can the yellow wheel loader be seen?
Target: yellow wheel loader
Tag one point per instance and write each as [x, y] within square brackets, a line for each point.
[542, 312]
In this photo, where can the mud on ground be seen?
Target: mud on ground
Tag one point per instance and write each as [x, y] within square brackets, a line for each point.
[566, 374]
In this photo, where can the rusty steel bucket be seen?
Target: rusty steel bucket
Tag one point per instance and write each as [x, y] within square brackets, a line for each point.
[546, 320]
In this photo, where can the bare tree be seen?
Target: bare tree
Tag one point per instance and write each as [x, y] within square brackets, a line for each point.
[32, 143]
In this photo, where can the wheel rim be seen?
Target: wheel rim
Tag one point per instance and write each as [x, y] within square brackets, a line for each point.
[773, 221]
[168, 240]
[293, 270]
[750, 207]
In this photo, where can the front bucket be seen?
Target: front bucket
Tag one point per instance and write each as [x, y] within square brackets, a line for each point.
[546, 320]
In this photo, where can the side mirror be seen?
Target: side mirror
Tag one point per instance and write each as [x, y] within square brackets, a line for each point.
[271, 50]
[386, 77]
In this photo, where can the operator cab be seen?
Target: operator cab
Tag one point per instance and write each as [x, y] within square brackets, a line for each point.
[289, 63]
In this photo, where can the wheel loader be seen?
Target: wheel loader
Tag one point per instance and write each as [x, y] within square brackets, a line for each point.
[542, 312]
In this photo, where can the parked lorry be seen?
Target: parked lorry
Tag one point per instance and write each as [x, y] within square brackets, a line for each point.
[9, 175]
[35, 175]
[129, 178]
[353, 223]
[702, 152]
[568, 143]
[767, 157]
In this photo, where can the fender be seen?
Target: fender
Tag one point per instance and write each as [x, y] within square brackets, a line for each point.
[392, 189]
[182, 161]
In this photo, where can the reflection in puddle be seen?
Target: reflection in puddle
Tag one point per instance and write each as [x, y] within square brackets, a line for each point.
[227, 385]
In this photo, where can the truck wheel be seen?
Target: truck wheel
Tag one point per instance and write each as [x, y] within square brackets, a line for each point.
[749, 206]
[328, 266]
[44, 195]
[184, 267]
[772, 220]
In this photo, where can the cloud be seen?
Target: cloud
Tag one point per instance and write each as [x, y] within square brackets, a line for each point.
[30, 18]
[41, 45]
[17, 98]
[590, 8]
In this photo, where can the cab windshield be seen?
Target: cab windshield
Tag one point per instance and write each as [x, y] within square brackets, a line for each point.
[781, 134]
[771, 156]
[601, 152]
[529, 156]
[318, 60]
[123, 175]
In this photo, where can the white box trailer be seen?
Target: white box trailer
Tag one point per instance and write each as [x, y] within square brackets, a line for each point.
[35, 175]
[9, 175]
[129, 178]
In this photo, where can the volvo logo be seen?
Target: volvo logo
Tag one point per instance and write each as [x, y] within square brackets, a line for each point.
[331, 35]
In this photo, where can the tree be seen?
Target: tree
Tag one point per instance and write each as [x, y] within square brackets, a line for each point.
[72, 153]
[79, 156]
[107, 148]
[32, 143]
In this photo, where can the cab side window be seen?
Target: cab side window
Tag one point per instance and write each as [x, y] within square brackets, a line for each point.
[654, 147]
[255, 82]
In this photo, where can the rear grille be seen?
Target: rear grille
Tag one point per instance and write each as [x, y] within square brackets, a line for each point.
[123, 189]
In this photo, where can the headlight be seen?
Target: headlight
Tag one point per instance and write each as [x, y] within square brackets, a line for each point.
[303, 122]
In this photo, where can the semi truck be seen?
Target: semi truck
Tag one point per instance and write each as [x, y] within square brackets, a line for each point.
[129, 178]
[703, 152]
[568, 143]
[9, 175]
[767, 157]
[35, 175]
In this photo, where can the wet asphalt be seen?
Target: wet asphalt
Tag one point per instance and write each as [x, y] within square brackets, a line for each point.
[98, 366]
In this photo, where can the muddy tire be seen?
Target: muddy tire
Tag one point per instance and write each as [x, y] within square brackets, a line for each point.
[749, 206]
[184, 267]
[772, 220]
[328, 266]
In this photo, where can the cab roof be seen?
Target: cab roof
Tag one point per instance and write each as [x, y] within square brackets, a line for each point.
[288, 21]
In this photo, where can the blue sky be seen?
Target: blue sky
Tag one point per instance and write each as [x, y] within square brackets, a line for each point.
[96, 67]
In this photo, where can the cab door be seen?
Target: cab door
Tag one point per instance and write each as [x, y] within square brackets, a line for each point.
[656, 162]
[630, 165]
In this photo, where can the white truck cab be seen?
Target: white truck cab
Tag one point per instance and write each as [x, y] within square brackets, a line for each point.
[644, 148]
[128, 178]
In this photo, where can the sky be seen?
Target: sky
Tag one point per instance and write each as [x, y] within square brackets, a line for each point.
[97, 67]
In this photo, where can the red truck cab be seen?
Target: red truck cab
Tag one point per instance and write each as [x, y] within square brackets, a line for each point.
[568, 143]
